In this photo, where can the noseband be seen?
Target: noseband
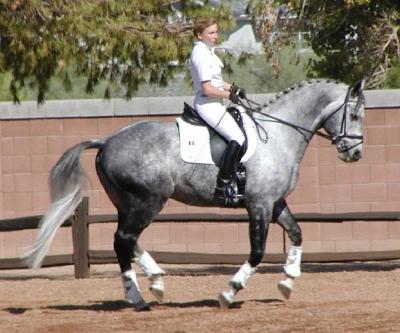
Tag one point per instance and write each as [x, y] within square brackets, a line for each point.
[337, 140]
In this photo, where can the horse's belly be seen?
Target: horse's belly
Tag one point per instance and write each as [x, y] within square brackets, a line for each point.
[196, 190]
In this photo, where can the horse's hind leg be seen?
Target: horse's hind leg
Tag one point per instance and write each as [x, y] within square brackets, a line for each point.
[131, 223]
[125, 242]
[151, 269]
[292, 268]
[138, 196]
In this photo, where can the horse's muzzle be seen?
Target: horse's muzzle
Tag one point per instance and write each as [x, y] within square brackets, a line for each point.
[357, 154]
[352, 155]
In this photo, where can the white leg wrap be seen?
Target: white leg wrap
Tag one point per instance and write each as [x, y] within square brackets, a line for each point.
[132, 291]
[243, 275]
[293, 261]
[238, 282]
[148, 265]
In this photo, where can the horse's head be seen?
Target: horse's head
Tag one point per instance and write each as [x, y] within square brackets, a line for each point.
[344, 123]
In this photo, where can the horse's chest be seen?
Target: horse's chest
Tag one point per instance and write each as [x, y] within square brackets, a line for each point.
[294, 176]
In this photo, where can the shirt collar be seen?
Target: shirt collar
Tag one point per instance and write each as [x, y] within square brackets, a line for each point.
[210, 48]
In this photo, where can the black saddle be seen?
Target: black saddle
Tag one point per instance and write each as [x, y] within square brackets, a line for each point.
[217, 142]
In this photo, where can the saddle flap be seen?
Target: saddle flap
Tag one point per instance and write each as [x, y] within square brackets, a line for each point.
[194, 143]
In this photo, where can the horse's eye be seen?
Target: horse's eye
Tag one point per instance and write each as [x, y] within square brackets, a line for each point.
[354, 116]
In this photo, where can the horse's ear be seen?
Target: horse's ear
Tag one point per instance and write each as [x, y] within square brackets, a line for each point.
[357, 88]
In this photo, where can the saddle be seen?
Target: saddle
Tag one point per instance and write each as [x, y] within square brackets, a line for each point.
[217, 142]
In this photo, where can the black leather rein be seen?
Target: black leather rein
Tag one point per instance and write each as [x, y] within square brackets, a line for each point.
[254, 107]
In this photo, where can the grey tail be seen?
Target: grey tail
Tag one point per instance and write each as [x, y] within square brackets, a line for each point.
[66, 183]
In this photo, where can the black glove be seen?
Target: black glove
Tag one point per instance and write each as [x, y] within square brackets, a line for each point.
[234, 98]
[238, 91]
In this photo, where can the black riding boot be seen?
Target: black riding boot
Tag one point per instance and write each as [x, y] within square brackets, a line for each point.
[226, 182]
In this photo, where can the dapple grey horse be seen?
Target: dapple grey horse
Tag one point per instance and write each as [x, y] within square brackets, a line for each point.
[140, 168]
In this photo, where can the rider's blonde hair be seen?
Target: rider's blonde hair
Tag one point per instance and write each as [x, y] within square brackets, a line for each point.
[202, 23]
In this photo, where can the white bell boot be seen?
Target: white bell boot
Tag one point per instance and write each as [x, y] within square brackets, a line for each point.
[238, 282]
[132, 291]
[157, 287]
[154, 272]
[226, 298]
[286, 286]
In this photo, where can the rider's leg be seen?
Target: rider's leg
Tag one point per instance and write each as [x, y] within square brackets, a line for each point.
[227, 170]
[216, 116]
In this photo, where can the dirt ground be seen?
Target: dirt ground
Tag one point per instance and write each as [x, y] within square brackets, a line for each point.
[355, 297]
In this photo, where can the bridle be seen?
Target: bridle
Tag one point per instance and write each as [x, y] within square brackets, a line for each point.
[253, 107]
[338, 140]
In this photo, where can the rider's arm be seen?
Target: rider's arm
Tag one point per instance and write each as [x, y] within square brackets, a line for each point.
[227, 86]
[213, 92]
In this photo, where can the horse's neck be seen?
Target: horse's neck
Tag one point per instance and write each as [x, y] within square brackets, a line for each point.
[303, 112]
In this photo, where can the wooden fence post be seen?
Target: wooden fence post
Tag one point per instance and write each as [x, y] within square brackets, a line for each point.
[80, 239]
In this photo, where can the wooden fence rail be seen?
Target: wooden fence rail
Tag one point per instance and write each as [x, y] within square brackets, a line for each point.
[82, 256]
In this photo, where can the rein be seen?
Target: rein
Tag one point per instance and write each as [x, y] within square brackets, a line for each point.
[254, 107]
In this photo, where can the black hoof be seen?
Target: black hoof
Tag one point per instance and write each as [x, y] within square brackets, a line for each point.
[142, 306]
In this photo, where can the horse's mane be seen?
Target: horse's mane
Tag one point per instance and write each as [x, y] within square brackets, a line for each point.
[296, 87]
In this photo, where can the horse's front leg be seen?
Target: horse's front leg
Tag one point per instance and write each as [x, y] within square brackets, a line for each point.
[259, 222]
[292, 269]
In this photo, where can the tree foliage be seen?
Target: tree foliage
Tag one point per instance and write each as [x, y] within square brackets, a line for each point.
[352, 38]
[117, 41]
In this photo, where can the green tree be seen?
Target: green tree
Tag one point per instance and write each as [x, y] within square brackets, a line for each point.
[116, 41]
[351, 38]
[392, 77]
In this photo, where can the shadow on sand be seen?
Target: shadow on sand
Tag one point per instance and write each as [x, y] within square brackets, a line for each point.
[375, 266]
[111, 306]
[121, 305]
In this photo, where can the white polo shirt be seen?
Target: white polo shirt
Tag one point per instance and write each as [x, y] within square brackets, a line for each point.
[205, 66]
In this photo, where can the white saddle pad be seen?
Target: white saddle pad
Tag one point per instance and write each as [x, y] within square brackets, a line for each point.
[195, 141]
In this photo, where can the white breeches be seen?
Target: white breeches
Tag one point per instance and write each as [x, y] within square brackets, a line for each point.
[217, 117]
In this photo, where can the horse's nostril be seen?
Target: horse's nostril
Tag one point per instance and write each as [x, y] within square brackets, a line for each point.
[357, 155]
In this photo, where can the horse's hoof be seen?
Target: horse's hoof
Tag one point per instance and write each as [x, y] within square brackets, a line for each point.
[142, 306]
[158, 293]
[157, 287]
[285, 288]
[225, 299]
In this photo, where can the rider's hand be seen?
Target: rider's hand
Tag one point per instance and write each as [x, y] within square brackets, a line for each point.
[241, 92]
[238, 91]
[233, 97]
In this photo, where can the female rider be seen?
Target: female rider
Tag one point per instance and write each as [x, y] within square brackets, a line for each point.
[210, 89]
